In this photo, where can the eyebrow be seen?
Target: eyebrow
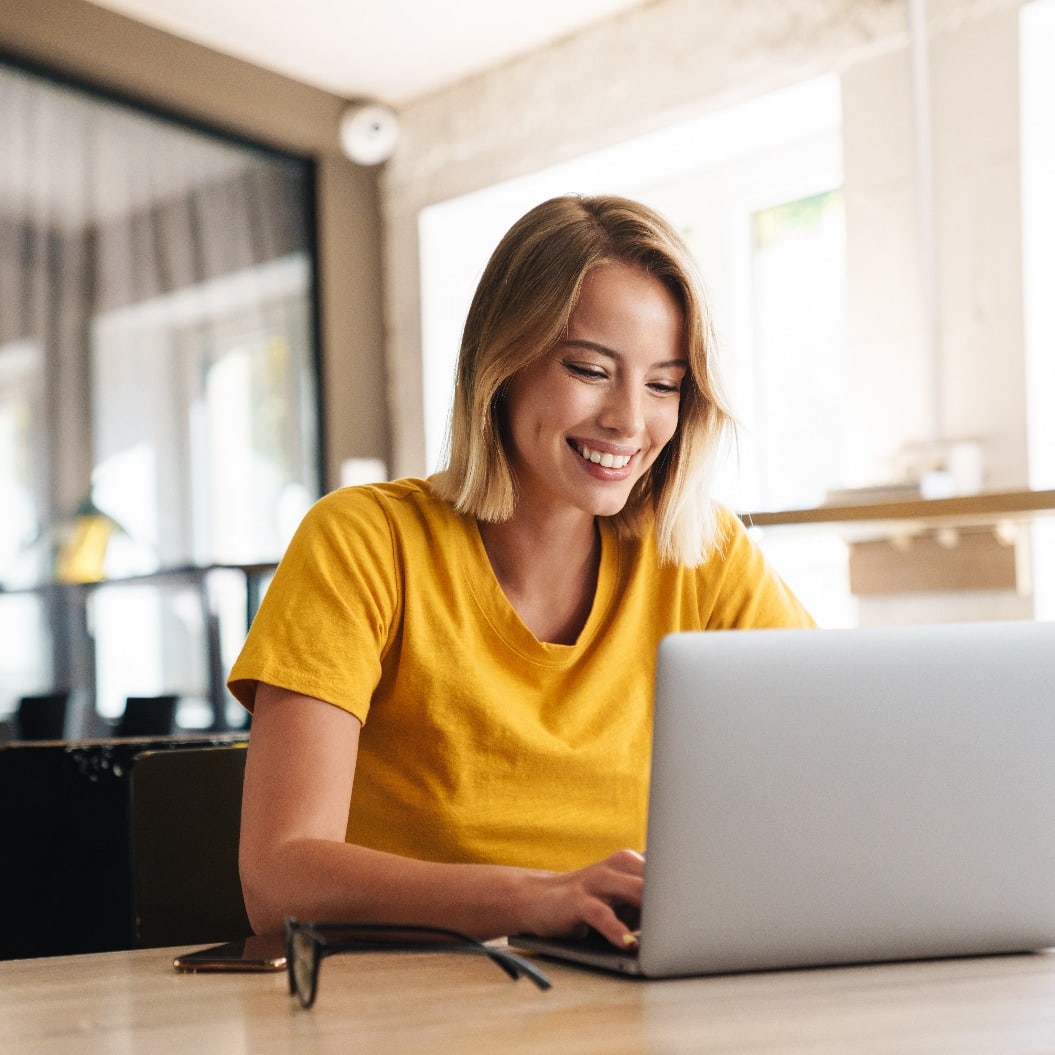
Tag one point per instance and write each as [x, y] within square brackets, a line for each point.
[610, 353]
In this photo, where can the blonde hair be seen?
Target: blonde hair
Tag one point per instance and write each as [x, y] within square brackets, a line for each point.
[521, 310]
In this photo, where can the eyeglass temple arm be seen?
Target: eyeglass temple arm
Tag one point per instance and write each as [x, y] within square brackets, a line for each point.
[514, 966]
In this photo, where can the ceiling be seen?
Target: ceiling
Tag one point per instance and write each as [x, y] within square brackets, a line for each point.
[393, 51]
[358, 49]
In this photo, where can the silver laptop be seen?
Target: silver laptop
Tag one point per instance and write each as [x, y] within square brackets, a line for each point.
[846, 796]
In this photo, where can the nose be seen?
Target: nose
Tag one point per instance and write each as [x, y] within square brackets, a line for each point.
[623, 410]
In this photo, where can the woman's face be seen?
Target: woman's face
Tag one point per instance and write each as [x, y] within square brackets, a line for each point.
[586, 421]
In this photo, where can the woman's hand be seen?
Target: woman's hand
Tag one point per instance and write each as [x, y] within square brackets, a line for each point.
[555, 904]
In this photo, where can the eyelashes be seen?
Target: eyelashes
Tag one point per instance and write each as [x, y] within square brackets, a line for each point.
[593, 373]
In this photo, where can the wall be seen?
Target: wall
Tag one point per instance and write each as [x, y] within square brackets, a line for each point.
[114, 53]
[675, 59]
[960, 374]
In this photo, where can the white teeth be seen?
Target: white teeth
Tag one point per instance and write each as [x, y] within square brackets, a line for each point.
[607, 461]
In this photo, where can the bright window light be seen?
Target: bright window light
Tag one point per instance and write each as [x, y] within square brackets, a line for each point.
[1037, 46]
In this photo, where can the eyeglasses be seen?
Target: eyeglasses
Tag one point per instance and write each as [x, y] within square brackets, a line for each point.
[308, 943]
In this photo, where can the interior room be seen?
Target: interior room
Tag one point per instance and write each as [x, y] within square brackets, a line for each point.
[235, 260]
[238, 241]
[898, 154]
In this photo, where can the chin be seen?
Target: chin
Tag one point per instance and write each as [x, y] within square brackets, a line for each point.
[610, 507]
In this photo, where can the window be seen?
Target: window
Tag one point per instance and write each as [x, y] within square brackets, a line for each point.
[158, 366]
[21, 404]
[203, 402]
[798, 396]
[21, 619]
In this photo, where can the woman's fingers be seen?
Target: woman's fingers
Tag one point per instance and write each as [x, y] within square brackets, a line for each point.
[622, 883]
[591, 896]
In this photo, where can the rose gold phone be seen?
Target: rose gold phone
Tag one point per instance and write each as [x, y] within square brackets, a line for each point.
[260, 952]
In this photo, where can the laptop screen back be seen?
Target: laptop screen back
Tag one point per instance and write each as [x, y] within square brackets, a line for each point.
[835, 796]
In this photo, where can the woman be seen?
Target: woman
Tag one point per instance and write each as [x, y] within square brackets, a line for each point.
[477, 649]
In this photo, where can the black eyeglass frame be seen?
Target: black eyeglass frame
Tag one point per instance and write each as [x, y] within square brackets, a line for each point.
[388, 937]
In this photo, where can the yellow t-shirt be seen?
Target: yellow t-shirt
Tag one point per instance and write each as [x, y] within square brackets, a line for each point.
[479, 742]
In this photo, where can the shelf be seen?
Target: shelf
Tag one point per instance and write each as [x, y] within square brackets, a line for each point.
[965, 510]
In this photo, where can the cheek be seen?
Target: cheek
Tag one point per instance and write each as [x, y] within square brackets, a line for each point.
[665, 424]
[564, 405]
[534, 424]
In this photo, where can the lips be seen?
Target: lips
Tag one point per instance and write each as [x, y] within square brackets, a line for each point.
[605, 459]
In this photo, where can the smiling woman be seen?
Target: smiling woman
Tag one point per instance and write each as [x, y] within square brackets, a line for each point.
[430, 648]
[524, 305]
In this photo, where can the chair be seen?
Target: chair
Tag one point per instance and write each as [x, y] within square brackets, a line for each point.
[185, 815]
[42, 717]
[147, 716]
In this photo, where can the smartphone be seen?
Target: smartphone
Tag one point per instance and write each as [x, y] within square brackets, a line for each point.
[260, 952]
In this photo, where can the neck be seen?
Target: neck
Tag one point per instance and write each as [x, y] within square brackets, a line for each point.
[547, 570]
[523, 544]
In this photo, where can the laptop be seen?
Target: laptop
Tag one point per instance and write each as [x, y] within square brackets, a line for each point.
[823, 797]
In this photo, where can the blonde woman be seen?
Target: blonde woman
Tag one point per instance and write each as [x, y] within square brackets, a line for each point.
[451, 679]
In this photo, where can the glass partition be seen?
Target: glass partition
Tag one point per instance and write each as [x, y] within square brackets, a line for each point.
[158, 389]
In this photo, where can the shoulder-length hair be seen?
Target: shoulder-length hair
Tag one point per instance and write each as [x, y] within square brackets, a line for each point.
[520, 312]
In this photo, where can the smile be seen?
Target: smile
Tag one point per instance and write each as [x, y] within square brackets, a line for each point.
[603, 458]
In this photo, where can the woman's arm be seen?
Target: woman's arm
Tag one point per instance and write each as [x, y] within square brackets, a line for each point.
[294, 860]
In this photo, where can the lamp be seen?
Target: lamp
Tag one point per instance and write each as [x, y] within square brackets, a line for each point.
[82, 543]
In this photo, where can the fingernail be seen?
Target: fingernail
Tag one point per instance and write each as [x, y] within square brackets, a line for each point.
[629, 939]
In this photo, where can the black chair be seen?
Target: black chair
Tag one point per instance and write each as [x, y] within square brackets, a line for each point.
[148, 716]
[42, 717]
[185, 817]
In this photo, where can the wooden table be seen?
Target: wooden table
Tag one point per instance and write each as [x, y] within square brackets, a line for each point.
[392, 1003]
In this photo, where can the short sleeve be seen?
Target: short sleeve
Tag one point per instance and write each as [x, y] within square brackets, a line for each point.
[327, 617]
